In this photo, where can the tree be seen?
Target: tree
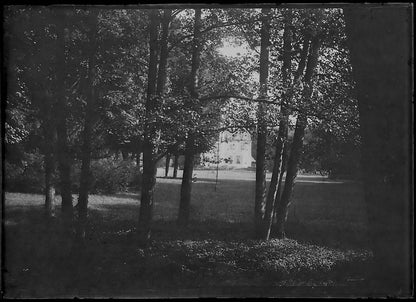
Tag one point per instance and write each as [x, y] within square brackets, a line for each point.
[29, 90]
[283, 128]
[91, 103]
[309, 102]
[261, 126]
[293, 160]
[63, 153]
[184, 206]
[149, 165]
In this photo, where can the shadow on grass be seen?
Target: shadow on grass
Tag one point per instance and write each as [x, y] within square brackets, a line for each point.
[218, 257]
[42, 261]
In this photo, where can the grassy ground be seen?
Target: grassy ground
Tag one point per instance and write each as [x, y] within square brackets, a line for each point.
[214, 256]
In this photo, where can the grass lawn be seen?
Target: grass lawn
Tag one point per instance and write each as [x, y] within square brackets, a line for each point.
[214, 256]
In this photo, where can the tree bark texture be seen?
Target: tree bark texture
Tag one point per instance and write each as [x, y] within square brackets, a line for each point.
[379, 39]
[260, 194]
[186, 187]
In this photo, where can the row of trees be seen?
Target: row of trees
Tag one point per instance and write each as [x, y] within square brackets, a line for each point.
[90, 82]
[310, 40]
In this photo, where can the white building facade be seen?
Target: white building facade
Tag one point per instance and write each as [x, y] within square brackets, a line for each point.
[232, 150]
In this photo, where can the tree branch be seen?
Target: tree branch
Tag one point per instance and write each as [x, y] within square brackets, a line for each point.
[209, 29]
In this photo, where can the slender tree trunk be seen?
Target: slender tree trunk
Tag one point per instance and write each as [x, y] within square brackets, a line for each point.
[186, 187]
[380, 46]
[282, 172]
[167, 164]
[164, 52]
[147, 198]
[64, 166]
[292, 167]
[149, 164]
[276, 176]
[49, 161]
[63, 153]
[175, 166]
[138, 159]
[283, 128]
[282, 207]
[259, 203]
[288, 99]
[155, 90]
[85, 178]
[49, 184]
[124, 155]
[185, 201]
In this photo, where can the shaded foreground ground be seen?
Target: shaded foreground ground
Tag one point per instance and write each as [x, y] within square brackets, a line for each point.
[327, 256]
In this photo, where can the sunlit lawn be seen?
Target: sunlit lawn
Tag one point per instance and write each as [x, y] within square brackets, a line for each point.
[214, 255]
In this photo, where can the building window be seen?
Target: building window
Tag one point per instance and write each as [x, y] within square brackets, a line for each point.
[238, 159]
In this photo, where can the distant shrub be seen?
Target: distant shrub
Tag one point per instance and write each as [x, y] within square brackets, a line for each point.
[26, 176]
[110, 176]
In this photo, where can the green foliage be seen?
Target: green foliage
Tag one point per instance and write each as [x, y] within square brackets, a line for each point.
[281, 258]
[332, 150]
[25, 175]
[111, 176]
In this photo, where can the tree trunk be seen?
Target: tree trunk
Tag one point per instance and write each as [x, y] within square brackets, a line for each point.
[283, 128]
[282, 172]
[282, 207]
[259, 203]
[138, 159]
[288, 98]
[185, 201]
[164, 52]
[85, 178]
[147, 196]
[272, 193]
[49, 184]
[63, 153]
[124, 155]
[167, 164]
[149, 164]
[292, 168]
[186, 186]
[277, 175]
[379, 40]
[49, 142]
[175, 166]
[64, 167]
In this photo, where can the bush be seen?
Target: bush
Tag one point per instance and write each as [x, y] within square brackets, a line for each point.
[25, 176]
[110, 176]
